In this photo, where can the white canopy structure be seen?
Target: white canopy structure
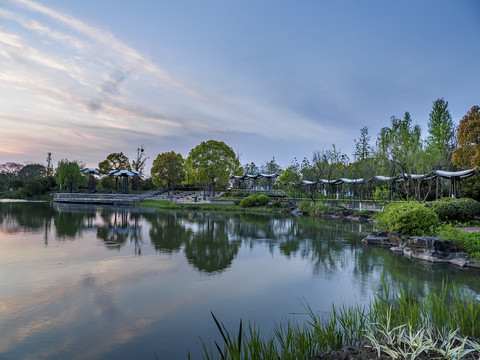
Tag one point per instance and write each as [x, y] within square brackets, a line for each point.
[453, 176]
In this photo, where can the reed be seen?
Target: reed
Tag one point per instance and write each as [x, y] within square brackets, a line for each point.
[396, 325]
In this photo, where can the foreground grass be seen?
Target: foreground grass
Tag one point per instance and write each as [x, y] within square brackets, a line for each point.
[442, 325]
[169, 205]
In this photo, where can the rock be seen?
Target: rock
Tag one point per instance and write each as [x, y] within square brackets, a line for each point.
[423, 242]
[397, 239]
[473, 264]
[457, 259]
[422, 255]
[296, 212]
[397, 249]
[376, 240]
[446, 247]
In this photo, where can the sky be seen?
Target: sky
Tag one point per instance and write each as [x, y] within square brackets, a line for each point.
[270, 78]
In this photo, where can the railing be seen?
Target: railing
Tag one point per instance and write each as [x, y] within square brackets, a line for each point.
[96, 198]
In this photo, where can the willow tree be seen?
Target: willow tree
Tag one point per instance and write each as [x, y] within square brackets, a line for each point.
[212, 161]
[69, 175]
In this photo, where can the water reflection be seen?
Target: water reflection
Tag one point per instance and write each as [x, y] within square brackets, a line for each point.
[87, 279]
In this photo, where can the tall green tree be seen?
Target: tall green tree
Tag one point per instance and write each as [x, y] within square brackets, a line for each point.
[49, 167]
[168, 168]
[69, 176]
[467, 154]
[364, 162]
[441, 133]
[114, 161]
[212, 161]
[398, 147]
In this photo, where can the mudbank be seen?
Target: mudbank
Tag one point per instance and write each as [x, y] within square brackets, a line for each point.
[429, 249]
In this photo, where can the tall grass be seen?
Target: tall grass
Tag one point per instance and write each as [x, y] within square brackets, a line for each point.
[441, 322]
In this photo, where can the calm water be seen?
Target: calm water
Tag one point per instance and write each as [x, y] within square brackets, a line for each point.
[114, 283]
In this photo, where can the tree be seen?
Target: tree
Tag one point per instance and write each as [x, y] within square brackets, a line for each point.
[329, 163]
[69, 175]
[168, 167]
[31, 171]
[441, 132]
[399, 147]
[289, 178]
[363, 149]
[8, 174]
[139, 163]
[114, 161]
[467, 154]
[212, 161]
[251, 169]
[271, 167]
[49, 168]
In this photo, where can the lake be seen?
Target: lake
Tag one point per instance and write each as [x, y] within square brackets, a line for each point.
[85, 282]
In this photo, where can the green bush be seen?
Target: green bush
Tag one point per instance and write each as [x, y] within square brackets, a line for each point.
[263, 200]
[254, 200]
[249, 201]
[467, 209]
[450, 209]
[408, 218]
[445, 210]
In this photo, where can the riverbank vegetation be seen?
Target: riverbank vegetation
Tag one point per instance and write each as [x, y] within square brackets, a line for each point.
[443, 325]
[443, 218]
[213, 206]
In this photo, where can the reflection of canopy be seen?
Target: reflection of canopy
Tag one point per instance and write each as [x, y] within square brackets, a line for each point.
[256, 176]
[89, 171]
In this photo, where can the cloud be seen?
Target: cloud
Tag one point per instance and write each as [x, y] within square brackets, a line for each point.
[130, 57]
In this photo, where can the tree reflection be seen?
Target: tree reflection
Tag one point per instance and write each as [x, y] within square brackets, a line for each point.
[167, 233]
[212, 248]
[24, 216]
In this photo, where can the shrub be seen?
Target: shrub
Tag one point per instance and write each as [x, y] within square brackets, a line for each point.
[445, 210]
[468, 241]
[408, 218]
[277, 204]
[380, 194]
[449, 209]
[263, 199]
[467, 209]
[305, 206]
[249, 201]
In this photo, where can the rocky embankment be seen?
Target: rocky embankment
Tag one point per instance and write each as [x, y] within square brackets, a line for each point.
[431, 249]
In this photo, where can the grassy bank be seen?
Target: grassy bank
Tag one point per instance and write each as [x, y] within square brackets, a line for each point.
[444, 325]
[169, 205]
